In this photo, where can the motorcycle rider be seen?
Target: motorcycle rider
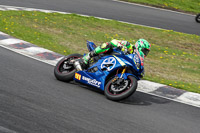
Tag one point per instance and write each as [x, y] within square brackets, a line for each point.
[141, 46]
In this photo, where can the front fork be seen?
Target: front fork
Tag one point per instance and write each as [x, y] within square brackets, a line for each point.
[121, 77]
[124, 70]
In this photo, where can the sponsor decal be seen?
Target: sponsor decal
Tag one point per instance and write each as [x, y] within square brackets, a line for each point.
[77, 76]
[120, 61]
[109, 63]
[137, 60]
[93, 82]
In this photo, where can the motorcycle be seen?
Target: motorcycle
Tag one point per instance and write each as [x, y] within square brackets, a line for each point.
[116, 73]
[197, 18]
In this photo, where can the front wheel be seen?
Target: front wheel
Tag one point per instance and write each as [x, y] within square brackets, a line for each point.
[198, 18]
[118, 90]
[64, 71]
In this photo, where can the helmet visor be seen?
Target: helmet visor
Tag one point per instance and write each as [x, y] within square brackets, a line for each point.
[145, 51]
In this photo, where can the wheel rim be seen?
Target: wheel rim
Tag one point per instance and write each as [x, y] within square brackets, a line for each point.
[64, 67]
[118, 89]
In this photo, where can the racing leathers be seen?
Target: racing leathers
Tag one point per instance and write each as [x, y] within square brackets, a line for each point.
[106, 47]
[142, 47]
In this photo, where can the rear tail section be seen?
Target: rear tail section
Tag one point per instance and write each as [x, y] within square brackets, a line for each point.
[91, 46]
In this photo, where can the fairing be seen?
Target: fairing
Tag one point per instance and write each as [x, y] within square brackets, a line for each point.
[107, 65]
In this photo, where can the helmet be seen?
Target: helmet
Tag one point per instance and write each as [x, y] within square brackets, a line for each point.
[143, 47]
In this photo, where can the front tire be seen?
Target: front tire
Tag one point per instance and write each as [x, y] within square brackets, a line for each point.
[197, 18]
[64, 71]
[119, 92]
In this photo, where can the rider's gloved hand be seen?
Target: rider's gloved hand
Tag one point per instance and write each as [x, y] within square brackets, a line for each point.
[125, 50]
[120, 46]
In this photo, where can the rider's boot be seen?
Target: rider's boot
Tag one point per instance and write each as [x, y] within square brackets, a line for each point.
[82, 63]
[77, 65]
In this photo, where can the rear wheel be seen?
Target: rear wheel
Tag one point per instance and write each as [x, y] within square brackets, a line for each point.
[119, 89]
[64, 70]
[198, 18]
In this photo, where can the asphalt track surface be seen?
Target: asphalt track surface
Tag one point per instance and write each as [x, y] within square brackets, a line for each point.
[32, 100]
[118, 11]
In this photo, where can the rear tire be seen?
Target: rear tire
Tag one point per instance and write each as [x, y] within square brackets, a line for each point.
[64, 71]
[122, 91]
[197, 18]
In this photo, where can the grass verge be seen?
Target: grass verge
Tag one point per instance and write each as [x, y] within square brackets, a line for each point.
[188, 6]
[173, 60]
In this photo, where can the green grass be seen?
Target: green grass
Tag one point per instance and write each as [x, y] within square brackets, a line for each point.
[173, 60]
[190, 6]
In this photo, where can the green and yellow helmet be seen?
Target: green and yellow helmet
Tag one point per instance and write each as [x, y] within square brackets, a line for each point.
[143, 46]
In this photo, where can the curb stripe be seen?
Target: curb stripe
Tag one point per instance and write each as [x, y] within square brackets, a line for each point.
[48, 56]
[11, 41]
[36, 50]
[53, 62]
[169, 92]
[148, 86]
[190, 98]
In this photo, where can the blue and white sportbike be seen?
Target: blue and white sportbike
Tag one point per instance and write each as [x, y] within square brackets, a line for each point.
[115, 73]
